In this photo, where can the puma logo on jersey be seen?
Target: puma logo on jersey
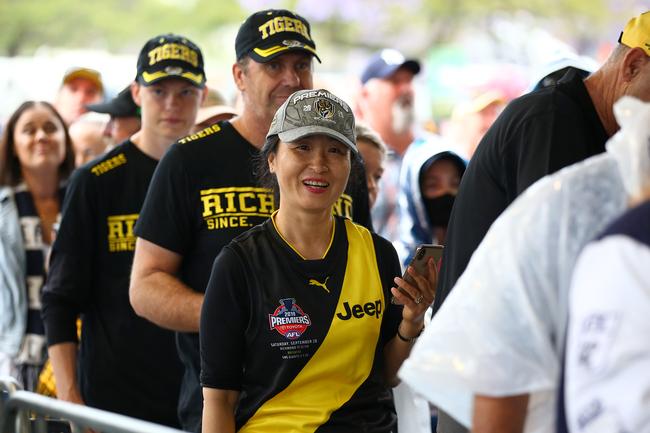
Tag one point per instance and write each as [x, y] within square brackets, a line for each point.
[313, 282]
[358, 311]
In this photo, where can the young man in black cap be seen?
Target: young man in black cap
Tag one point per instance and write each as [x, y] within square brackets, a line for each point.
[204, 192]
[125, 115]
[126, 364]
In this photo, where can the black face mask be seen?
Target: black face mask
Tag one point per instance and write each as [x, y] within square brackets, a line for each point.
[439, 209]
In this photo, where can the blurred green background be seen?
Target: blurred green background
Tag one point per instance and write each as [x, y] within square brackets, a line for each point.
[465, 45]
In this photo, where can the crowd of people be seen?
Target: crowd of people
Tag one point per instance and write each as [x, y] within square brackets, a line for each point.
[247, 267]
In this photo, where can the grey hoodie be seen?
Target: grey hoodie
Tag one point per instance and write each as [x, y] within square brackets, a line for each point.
[414, 228]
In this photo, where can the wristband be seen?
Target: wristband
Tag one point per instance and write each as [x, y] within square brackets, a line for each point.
[409, 339]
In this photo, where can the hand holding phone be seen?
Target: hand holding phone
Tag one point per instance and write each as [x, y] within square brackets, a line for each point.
[419, 262]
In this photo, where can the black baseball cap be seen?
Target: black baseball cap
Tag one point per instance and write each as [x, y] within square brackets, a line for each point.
[269, 33]
[120, 106]
[170, 56]
[385, 63]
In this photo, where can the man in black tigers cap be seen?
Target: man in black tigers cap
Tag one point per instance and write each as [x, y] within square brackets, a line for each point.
[270, 33]
[204, 192]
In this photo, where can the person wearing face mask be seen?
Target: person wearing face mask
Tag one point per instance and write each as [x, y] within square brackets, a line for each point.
[491, 357]
[428, 184]
[430, 179]
[386, 104]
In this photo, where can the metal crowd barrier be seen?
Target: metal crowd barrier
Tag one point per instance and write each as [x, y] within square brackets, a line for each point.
[27, 412]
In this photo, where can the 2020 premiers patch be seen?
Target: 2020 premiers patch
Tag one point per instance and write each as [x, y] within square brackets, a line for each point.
[289, 320]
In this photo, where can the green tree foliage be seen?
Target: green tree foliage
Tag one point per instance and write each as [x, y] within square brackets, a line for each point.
[121, 25]
[116, 25]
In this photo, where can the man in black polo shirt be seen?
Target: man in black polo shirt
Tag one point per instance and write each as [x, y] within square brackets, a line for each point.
[125, 364]
[537, 134]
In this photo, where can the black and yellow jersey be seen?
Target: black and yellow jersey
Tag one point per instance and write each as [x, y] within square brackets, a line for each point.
[203, 194]
[89, 276]
[302, 340]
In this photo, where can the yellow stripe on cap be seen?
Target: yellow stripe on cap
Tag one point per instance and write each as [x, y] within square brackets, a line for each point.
[278, 48]
[637, 33]
[345, 357]
[197, 78]
[149, 77]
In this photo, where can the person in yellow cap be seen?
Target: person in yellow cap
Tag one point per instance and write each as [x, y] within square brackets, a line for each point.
[537, 134]
[79, 87]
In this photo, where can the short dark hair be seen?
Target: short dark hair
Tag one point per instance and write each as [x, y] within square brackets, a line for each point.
[262, 172]
[243, 63]
[10, 170]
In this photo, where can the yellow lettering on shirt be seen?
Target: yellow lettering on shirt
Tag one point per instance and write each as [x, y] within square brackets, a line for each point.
[120, 232]
[202, 133]
[232, 206]
[343, 206]
[108, 165]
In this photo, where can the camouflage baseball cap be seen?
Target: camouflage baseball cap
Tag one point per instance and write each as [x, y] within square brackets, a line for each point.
[313, 112]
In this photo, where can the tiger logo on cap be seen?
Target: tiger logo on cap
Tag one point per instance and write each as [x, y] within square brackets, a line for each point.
[324, 108]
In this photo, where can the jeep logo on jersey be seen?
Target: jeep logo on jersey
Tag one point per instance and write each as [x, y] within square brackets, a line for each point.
[358, 311]
[289, 319]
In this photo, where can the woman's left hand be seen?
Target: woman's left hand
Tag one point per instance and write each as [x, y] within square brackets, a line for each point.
[418, 297]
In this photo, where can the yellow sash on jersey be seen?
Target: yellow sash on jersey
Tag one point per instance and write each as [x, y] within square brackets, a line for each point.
[345, 357]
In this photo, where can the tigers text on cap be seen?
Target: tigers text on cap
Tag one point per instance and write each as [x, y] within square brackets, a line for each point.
[637, 33]
[84, 73]
[170, 56]
[269, 33]
[313, 112]
[385, 63]
[120, 106]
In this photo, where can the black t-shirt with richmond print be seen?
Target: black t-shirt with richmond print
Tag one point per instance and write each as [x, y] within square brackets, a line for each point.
[204, 193]
[126, 364]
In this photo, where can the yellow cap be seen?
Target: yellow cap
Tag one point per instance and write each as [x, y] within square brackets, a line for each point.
[637, 33]
[87, 74]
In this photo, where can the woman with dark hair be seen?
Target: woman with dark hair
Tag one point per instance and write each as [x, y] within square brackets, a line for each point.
[35, 158]
[298, 332]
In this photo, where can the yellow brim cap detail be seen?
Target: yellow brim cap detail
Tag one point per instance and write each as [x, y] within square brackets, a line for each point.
[155, 76]
[279, 48]
[637, 33]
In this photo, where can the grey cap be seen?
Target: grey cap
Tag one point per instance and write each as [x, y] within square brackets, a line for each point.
[313, 112]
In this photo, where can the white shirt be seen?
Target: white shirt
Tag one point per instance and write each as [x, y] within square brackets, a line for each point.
[608, 341]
